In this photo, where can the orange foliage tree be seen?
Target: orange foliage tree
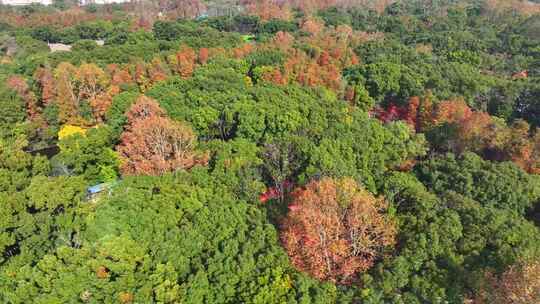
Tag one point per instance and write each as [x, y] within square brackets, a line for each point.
[473, 130]
[45, 80]
[332, 51]
[118, 75]
[336, 230]
[67, 98]
[102, 102]
[19, 85]
[203, 55]
[520, 284]
[312, 26]
[268, 9]
[184, 62]
[75, 84]
[91, 81]
[157, 71]
[153, 144]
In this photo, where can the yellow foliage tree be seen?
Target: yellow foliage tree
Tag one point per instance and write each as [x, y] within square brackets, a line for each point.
[68, 130]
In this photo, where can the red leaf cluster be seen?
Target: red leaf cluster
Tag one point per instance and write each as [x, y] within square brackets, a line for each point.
[19, 85]
[275, 192]
[474, 130]
[335, 230]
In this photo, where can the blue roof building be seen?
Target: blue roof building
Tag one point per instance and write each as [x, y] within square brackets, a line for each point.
[93, 191]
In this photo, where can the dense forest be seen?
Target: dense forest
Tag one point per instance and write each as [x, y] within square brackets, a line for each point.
[265, 151]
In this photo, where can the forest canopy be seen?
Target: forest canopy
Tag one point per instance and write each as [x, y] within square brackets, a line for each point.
[262, 151]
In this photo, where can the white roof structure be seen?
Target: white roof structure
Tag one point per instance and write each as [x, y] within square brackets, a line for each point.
[57, 47]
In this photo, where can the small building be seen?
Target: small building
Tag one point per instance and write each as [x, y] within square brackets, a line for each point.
[94, 192]
[58, 47]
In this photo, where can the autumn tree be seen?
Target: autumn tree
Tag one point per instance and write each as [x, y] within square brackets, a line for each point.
[312, 26]
[336, 230]
[268, 9]
[183, 62]
[119, 75]
[154, 144]
[45, 79]
[19, 85]
[157, 71]
[67, 97]
[520, 284]
[102, 102]
[91, 81]
[184, 9]
[203, 55]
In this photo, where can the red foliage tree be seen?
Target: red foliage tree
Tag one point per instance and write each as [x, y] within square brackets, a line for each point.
[19, 85]
[154, 144]
[336, 230]
[47, 84]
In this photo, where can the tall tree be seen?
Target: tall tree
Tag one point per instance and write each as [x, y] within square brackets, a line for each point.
[154, 144]
[336, 230]
[67, 97]
[519, 284]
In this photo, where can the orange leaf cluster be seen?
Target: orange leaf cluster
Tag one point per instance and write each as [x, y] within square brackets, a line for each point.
[336, 230]
[19, 85]
[242, 51]
[204, 55]
[184, 62]
[102, 102]
[102, 272]
[332, 51]
[474, 130]
[153, 144]
[119, 76]
[268, 9]
[45, 79]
